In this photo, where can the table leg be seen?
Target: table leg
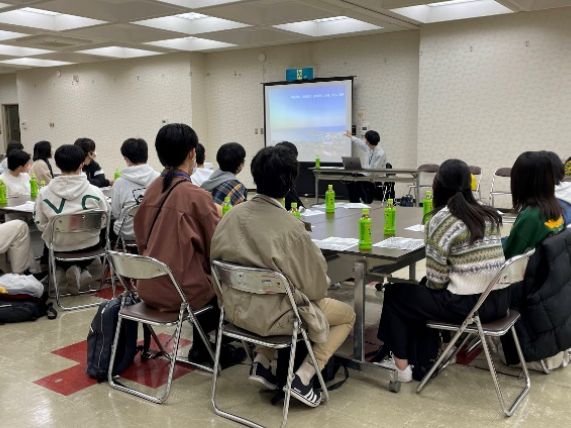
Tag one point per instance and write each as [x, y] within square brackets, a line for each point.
[360, 274]
[417, 192]
[316, 189]
[412, 271]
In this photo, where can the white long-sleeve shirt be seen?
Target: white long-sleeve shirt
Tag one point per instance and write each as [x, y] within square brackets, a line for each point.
[371, 158]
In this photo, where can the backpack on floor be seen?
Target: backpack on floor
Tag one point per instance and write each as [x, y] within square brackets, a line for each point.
[100, 340]
[20, 308]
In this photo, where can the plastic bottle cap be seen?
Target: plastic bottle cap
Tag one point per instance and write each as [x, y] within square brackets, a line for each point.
[294, 204]
[330, 187]
[227, 199]
[390, 201]
[429, 193]
[365, 211]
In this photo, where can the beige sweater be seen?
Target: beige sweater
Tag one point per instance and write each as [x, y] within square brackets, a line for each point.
[41, 171]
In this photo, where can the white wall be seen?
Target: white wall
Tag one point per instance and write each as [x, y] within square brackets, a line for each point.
[495, 87]
[108, 102]
[8, 95]
[386, 88]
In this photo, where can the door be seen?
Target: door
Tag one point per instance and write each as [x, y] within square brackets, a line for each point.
[12, 122]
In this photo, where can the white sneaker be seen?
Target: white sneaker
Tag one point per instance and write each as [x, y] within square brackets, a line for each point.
[85, 280]
[73, 276]
[404, 375]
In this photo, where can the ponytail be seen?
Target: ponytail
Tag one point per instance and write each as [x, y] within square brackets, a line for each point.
[168, 177]
[473, 214]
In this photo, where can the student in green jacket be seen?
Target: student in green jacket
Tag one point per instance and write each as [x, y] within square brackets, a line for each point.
[533, 195]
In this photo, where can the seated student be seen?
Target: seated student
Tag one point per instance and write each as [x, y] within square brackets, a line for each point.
[174, 224]
[291, 195]
[373, 157]
[130, 187]
[562, 188]
[42, 168]
[262, 233]
[533, 195]
[95, 174]
[201, 173]
[15, 241]
[16, 177]
[70, 193]
[12, 145]
[223, 181]
[463, 254]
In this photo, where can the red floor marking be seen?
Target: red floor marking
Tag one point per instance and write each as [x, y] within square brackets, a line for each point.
[107, 293]
[152, 373]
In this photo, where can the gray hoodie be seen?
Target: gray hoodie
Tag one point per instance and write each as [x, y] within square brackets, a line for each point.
[217, 178]
[126, 192]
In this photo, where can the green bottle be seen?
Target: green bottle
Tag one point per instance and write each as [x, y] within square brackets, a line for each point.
[33, 186]
[42, 184]
[3, 193]
[330, 199]
[390, 219]
[295, 211]
[317, 162]
[426, 206]
[365, 236]
[227, 205]
[117, 174]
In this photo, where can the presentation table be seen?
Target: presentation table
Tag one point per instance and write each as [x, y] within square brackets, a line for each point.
[344, 223]
[371, 175]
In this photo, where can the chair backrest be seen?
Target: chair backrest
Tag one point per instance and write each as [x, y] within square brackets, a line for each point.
[428, 167]
[475, 170]
[500, 187]
[87, 221]
[512, 271]
[503, 172]
[136, 267]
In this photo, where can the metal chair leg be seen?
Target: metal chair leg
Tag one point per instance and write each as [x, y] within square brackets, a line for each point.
[290, 373]
[311, 354]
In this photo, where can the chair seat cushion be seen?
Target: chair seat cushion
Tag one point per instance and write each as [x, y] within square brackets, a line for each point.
[241, 334]
[144, 313]
[494, 328]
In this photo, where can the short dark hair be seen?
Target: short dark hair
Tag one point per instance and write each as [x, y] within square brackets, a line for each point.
[532, 184]
[372, 137]
[13, 145]
[85, 144]
[173, 144]
[274, 169]
[200, 154]
[230, 156]
[136, 150]
[17, 158]
[69, 157]
[557, 165]
[42, 150]
[290, 146]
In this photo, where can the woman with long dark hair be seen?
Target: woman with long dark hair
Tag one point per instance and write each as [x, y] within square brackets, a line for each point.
[463, 253]
[533, 181]
[42, 168]
[175, 224]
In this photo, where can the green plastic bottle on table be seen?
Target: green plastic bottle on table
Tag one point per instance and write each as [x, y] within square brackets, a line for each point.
[295, 212]
[365, 234]
[117, 174]
[3, 193]
[227, 205]
[33, 186]
[330, 199]
[390, 219]
[426, 206]
[317, 162]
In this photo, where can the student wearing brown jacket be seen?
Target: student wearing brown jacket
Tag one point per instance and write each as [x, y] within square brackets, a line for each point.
[174, 224]
[261, 233]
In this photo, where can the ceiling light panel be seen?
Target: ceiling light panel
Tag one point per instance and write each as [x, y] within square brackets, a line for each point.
[452, 10]
[119, 52]
[46, 20]
[191, 44]
[10, 35]
[34, 62]
[196, 4]
[328, 26]
[191, 23]
[21, 51]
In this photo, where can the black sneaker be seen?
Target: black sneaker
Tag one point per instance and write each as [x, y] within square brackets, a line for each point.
[260, 374]
[304, 393]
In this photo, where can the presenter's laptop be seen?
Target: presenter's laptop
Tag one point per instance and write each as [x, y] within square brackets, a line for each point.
[351, 163]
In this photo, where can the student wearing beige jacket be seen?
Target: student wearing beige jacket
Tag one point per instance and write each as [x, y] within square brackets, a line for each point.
[42, 168]
[261, 233]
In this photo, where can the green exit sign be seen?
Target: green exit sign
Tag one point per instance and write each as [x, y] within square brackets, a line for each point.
[305, 73]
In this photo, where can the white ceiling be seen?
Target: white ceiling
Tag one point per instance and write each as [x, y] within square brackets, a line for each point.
[79, 31]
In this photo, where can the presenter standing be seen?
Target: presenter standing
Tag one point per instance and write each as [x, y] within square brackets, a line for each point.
[373, 157]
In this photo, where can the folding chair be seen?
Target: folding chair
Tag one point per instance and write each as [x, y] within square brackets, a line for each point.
[123, 242]
[476, 171]
[426, 173]
[135, 267]
[88, 221]
[502, 174]
[258, 281]
[511, 272]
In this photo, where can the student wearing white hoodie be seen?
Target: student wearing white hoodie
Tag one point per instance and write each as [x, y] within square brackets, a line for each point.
[131, 186]
[70, 193]
[16, 177]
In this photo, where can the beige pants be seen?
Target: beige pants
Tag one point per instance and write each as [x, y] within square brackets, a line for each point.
[15, 240]
[341, 318]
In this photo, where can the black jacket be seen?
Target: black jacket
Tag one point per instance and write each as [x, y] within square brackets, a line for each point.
[95, 175]
[544, 301]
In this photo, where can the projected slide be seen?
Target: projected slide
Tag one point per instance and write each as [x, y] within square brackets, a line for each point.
[314, 116]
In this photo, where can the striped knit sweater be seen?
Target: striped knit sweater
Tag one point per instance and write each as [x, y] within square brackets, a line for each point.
[453, 263]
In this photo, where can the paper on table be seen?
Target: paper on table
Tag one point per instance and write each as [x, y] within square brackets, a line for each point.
[356, 205]
[309, 213]
[27, 207]
[416, 228]
[336, 244]
[399, 243]
[337, 205]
